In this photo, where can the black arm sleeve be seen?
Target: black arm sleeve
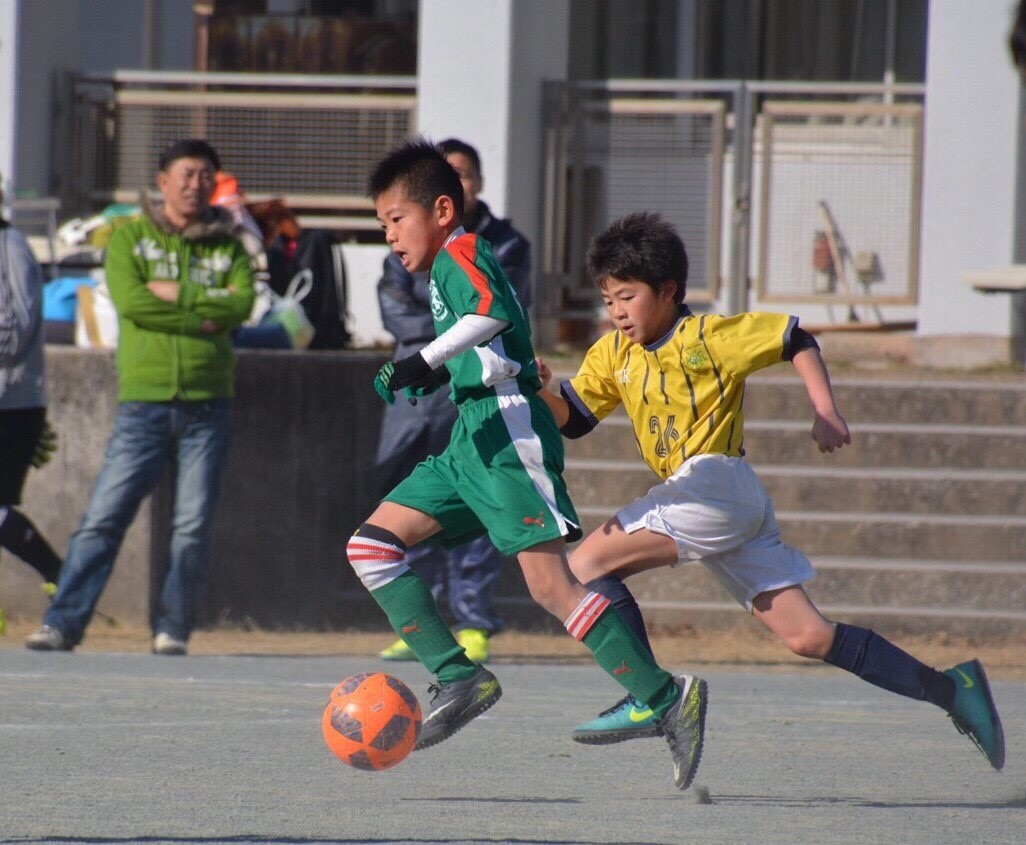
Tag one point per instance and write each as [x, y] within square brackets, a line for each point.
[578, 424]
[800, 339]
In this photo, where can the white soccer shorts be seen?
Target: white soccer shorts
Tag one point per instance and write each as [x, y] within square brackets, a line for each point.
[717, 511]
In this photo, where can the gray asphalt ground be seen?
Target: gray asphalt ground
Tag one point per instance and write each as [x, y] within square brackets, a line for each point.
[118, 748]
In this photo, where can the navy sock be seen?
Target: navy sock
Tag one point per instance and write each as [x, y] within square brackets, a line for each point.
[868, 655]
[626, 605]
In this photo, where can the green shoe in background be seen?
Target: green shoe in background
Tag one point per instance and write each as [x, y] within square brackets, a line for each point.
[974, 713]
[475, 644]
[397, 651]
[627, 719]
[3, 624]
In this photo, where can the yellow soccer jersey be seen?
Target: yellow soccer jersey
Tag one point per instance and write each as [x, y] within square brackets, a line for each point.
[684, 392]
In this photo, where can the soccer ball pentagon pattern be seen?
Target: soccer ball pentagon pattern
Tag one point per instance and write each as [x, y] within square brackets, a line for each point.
[372, 721]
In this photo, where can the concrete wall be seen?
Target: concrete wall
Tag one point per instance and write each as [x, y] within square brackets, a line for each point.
[297, 483]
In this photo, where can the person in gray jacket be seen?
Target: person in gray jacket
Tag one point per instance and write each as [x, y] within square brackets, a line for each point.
[25, 438]
[410, 433]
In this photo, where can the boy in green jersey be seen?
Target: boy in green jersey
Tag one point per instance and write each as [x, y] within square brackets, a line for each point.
[680, 378]
[501, 473]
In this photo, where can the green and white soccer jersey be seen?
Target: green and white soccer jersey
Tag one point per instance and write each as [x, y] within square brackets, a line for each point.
[467, 279]
[502, 473]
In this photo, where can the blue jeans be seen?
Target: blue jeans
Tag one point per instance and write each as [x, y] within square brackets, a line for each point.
[194, 436]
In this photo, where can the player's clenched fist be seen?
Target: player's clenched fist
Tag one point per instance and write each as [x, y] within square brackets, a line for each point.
[830, 432]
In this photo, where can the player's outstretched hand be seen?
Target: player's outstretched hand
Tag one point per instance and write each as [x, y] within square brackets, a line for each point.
[544, 371]
[46, 446]
[830, 431]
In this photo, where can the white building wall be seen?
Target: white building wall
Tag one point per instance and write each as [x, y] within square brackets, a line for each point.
[481, 81]
[8, 87]
[42, 41]
[44, 52]
[972, 129]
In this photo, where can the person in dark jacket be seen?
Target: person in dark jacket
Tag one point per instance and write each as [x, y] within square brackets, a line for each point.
[25, 437]
[410, 433]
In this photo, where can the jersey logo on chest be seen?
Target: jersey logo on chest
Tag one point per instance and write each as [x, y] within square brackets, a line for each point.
[438, 309]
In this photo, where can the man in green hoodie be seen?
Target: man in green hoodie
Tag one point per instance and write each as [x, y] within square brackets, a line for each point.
[180, 280]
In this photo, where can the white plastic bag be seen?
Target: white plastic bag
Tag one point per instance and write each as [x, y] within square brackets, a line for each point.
[96, 320]
[287, 310]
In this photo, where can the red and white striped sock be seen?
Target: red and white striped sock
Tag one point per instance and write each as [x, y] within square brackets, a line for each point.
[377, 556]
[585, 615]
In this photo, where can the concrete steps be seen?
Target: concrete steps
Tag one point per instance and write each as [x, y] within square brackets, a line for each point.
[919, 526]
[873, 445]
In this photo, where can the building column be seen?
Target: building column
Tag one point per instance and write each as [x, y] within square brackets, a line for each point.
[480, 69]
[973, 127]
[8, 90]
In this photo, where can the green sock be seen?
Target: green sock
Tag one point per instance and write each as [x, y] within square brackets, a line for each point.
[412, 612]
[629, 663]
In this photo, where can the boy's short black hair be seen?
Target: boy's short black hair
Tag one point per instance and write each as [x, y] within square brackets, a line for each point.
[640, 246]
[420, 169]
[188, 148]
[451, 146]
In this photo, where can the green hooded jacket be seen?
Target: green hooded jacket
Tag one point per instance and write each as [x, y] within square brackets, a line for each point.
[162, 352]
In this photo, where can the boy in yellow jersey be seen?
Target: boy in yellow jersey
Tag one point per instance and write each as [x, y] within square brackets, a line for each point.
[680, 377]
[501, 473]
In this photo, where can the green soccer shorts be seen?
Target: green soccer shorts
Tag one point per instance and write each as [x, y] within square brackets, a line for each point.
[501, 475]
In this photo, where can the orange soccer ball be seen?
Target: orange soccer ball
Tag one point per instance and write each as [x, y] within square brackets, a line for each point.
[372, 721]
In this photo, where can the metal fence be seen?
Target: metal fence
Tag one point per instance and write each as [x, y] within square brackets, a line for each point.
[308, 139]
[823, 180]
[840, 195]
[784, 192]
[611, 151]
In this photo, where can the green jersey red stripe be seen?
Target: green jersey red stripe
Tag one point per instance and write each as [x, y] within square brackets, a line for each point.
[464, 253]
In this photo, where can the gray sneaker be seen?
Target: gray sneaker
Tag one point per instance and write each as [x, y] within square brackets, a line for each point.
[166, 644]
[48, 639]
[456, 704]
[684, 728]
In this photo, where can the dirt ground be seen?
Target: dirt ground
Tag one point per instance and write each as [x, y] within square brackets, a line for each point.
[737, 649]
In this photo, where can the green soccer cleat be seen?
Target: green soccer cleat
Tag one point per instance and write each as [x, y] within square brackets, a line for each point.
[684, 728]
[475, 644]
[397, 651]
[627, 719]
[974, 712]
